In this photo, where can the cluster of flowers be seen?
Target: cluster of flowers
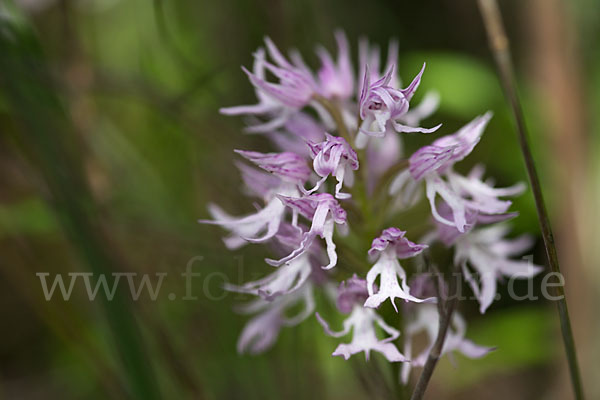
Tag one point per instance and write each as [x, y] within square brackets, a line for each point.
[300, 111]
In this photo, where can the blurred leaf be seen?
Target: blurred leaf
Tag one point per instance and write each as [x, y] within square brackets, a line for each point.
[30, 216]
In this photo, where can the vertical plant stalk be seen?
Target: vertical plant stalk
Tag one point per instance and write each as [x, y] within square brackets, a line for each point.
[446, 306]
[499, 46]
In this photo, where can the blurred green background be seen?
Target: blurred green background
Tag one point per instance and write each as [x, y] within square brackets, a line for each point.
[111, 145]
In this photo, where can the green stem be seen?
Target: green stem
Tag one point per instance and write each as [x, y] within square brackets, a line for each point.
[499, 45]
[336, 115]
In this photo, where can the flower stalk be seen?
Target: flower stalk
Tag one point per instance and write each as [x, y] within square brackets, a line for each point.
[446, 306]
[499, 45]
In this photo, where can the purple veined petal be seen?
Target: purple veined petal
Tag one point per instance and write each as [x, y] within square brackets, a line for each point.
[292, 78]
[364, 91]
[257, 182]
[412, 88]
[276, 54]
[394, 238]
[465, 140]
[306, 206]
[373, 91]
[291, 96]
[315, 148]
[286, 165]
[429, 159]
[387, 236]
[407, 249]
[387, 77]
